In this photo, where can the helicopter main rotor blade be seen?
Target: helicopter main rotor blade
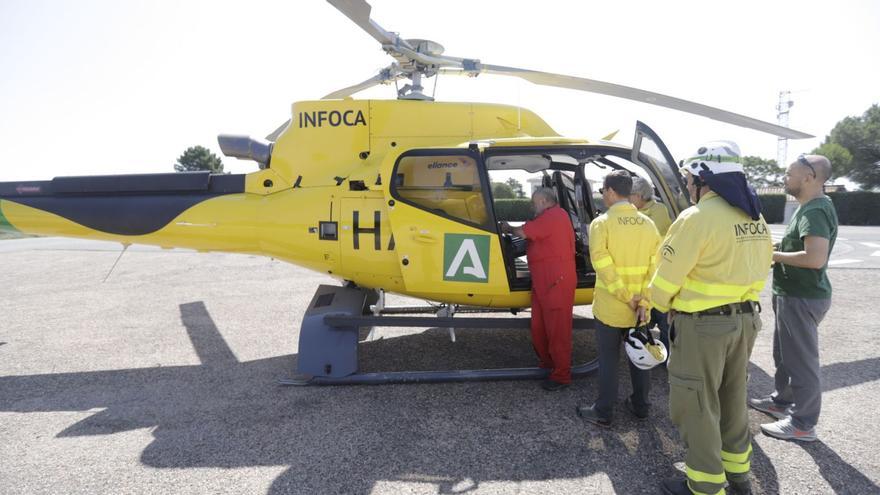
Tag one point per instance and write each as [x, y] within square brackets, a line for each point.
[635, 94]
[273, 136]
[386, 75]
[359, 12]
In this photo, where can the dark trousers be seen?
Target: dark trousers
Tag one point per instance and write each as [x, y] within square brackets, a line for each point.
[660, 319]
[608, 343]
[796, 355]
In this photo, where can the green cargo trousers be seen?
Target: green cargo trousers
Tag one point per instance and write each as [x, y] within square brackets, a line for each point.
[708, 366]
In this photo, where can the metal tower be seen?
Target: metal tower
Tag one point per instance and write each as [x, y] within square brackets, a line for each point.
[782, 110]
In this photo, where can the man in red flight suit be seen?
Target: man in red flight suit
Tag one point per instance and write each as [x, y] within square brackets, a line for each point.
[550, 250]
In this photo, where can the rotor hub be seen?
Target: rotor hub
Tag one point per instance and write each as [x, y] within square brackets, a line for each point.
[426, 47]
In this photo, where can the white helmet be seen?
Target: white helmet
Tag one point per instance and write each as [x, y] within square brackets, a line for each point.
[717, 157]
[643, 350]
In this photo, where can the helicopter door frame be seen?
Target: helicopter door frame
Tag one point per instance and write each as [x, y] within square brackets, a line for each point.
[662, 167]
[583, 207]
[441, 253]
[489, 225]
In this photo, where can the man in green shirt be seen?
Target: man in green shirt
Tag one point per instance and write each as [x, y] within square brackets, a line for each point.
[801, 297]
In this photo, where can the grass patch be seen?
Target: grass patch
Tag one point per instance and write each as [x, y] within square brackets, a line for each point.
[4, 235]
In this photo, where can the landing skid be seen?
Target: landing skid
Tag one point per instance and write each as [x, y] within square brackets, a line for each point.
[329, 339]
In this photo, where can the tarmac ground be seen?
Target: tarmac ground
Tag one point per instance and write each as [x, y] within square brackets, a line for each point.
[161, 376]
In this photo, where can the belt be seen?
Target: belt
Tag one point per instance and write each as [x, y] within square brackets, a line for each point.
[729, 309]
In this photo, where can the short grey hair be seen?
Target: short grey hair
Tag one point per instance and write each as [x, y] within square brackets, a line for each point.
[547, 193]
[643, 188]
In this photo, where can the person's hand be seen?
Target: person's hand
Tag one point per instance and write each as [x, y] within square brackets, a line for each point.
[641, 315]
[634, 302]
[669, 317]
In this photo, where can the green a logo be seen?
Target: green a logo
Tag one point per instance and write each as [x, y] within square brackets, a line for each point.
[466, 258]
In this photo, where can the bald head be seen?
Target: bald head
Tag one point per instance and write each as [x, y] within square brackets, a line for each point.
[543, 198]
[805, 177]
[820, 164]
[546, 193]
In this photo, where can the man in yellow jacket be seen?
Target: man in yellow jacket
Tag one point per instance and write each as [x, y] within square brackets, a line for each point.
[711, 267]
[643, 198]
[623, 244]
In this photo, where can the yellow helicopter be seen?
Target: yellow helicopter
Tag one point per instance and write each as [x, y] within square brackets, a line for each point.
[383, 195]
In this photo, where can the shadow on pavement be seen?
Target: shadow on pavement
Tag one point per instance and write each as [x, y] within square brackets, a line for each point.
[840, 475]
[230, 414]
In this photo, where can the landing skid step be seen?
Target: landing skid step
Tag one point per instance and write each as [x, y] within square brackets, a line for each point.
[328, 341]
[392, 377]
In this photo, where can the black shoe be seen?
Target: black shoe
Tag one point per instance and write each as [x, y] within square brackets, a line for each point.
[675, 486]
[553, 385]
[589, 413]
[632, 408]
[743, 487]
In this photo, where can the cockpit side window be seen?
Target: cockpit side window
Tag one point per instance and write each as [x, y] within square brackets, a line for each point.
[449, 185]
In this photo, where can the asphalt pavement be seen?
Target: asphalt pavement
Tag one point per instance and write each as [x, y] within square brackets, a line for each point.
[157, 372]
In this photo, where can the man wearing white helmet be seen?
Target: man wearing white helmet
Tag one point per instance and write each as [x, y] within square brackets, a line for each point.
[710, 269]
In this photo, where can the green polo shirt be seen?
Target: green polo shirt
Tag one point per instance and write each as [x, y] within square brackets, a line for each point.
[817, 218]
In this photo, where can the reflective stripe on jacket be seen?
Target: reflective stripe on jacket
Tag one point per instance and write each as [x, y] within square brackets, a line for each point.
[623, 243]
[714, 254]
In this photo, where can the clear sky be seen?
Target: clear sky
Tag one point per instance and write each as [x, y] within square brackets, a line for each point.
[105, 87]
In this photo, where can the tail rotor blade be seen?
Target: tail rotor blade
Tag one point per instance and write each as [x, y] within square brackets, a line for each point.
[273, 136]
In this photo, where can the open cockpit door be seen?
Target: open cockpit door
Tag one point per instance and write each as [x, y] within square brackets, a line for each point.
[650, 153]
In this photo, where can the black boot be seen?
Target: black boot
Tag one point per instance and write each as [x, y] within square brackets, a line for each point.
[590, 414]
[675, 486]
[740, 487]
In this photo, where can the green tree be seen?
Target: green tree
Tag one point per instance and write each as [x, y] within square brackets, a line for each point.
[502, 190]
[840, 158]
[861, 137]
[762, 172]
[516, 187]
[197, 158]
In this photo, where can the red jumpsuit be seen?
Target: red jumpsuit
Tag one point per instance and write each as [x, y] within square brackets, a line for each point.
[550, 250]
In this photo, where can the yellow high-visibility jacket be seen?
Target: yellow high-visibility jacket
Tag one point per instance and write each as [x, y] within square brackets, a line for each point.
[623, 245]
[714, 254]
[658, 214]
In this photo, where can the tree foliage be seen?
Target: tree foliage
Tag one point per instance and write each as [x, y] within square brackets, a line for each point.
[861, 137]
[198, 158]
[762, 172]
[516, 187]
[840, 158]
[502, 190]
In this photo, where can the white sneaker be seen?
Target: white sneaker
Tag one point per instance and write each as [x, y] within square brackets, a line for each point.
[785, 430]
[769, 406]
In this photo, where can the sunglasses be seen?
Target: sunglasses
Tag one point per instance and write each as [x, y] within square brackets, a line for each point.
[802, 159]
